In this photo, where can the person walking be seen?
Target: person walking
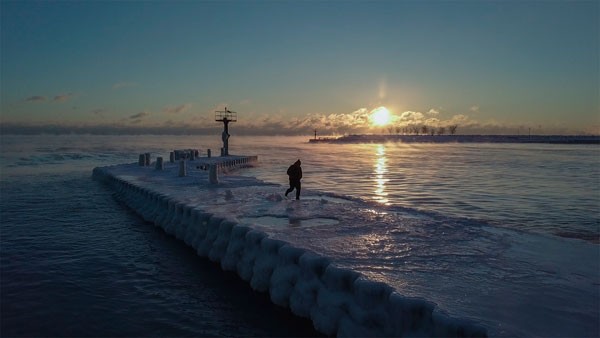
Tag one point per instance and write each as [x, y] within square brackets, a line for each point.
[295, 174]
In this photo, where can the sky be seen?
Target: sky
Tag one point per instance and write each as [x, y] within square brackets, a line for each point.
[289, 67]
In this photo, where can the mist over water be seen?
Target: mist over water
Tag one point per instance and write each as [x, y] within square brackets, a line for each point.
[68, 248]
[530, 187]
[533, 187]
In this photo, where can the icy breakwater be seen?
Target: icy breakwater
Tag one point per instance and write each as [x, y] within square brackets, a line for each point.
[339, 301]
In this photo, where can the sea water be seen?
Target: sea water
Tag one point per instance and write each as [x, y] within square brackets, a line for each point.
[74, 262]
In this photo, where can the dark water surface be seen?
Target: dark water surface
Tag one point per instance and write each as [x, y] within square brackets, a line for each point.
[76, 263]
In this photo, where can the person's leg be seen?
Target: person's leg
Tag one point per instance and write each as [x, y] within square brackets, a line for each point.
[298, 186]
[290, 189]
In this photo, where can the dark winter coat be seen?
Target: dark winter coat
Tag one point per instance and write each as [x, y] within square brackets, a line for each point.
[295, 172]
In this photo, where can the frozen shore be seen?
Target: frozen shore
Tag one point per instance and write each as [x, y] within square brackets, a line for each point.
[233, 222]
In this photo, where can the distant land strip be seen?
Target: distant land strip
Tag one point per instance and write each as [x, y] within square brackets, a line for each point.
[554, 139]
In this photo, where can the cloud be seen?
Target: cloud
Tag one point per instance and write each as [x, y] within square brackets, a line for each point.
[62, 97]
[57, 98]
[202, 119]
[411, 117]
[460, 119]
[120, 85]
[434, 122]
[474, 109]
[335, 122]
[36, 98]
[138, 118]
[178, 109]
[139, 115]
[355, 122]
[326, 124]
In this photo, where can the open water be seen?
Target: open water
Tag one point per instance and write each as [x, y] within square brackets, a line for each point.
[76, 263]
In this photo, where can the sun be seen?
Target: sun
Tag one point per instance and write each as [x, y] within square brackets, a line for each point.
[380, 117]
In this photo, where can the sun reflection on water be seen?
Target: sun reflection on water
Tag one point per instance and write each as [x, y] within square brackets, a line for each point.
[380, 170]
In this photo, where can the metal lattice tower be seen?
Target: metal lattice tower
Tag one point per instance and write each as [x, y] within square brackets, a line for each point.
[225, 116]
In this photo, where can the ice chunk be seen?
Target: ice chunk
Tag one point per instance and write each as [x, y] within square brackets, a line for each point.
[327, 318]
[369, 294]
[286, 274]
[265, 263]
[211, 236]
[336, 278]
[304, 295]
[274, 198]
[313, 264]
[235, 248]
[252, 249]
[219, 246]
[413, 314]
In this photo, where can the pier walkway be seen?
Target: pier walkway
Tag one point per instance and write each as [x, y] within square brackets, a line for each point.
[248, 227]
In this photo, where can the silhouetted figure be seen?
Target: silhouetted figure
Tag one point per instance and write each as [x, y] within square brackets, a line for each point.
[295, 174]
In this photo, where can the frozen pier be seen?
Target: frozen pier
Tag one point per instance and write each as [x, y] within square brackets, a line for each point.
[248, 227]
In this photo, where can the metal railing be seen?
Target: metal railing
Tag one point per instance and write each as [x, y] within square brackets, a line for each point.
[231, 116]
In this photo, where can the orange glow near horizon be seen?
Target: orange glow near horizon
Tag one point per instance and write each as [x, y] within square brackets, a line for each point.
[380, 117]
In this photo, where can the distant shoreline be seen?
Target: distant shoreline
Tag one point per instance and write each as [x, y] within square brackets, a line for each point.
[552, 139]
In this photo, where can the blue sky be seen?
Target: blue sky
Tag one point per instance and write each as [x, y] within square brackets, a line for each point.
[294, 66]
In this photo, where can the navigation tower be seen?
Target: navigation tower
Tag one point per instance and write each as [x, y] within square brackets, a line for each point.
[225, 116]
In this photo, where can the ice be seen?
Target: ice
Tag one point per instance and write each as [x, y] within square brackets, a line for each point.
[339, 301]
[288, 221]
